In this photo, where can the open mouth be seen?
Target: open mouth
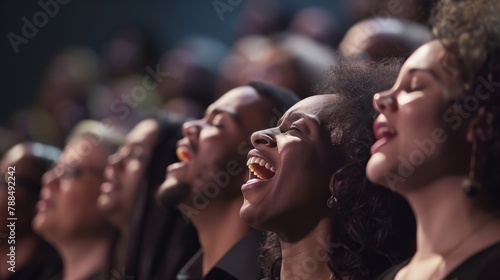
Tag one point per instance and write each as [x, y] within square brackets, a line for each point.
[184, 154]
[260, 168]
[383, 133]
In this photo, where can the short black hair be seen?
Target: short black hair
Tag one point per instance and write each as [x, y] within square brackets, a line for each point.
[281, 98]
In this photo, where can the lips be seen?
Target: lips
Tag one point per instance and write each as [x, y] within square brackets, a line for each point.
[108, 187]
[383, 133]
[45, 201]
[185, 150]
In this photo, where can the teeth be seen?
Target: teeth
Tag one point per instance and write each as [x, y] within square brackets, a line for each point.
[182, 154]
[385, 129]
[261, 162]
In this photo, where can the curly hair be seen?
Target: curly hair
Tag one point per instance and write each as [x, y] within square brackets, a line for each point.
[469, 30]
[368, 220]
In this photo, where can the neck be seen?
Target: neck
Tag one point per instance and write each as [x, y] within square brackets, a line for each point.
[445, 215]
[219, 228]
[82, 256]
[300, 257]
[25, 248]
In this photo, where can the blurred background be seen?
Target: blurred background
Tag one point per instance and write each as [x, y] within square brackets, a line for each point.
[67, 60]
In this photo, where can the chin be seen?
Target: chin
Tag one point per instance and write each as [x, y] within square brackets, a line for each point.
[172, 192]
[104, 203]
[253, 217]
[38, 223]
[375, 169]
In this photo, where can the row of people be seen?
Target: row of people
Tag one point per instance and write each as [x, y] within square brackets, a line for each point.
[262, 159]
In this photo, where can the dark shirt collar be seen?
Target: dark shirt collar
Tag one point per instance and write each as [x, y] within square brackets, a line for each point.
[240, 262]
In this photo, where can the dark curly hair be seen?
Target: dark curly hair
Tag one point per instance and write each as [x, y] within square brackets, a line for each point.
[469, 30]
[372, 227]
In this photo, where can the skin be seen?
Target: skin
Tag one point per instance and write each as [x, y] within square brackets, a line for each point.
[67, 216]
[20, 157]
[124, 171]
[299, 144]
[450, 226]
[421, 99]
[219, 139]
[293, 202]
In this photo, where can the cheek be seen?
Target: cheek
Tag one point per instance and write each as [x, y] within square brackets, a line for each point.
[130, 192]
[304, 176]
[132, 176]
[220, 150]
[78, 202]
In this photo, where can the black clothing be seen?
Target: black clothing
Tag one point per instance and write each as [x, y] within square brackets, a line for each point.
[484, 265]
[239, 263]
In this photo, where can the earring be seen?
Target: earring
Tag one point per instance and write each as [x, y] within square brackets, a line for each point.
[471, 186]
[331, 202]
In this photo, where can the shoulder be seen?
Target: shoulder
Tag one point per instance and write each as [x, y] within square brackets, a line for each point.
[390, 274]
[483, 265]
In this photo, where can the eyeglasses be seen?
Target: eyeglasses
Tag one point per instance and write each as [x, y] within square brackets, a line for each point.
[66, 172]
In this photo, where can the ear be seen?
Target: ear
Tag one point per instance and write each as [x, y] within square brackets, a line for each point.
[480, 127]
[334, 184]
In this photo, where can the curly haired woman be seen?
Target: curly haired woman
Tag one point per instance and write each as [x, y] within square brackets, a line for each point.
[439, 144]
[308, 188]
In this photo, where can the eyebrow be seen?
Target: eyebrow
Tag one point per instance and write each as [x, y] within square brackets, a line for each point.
[428, 71]
[296, 115]
[229, 112]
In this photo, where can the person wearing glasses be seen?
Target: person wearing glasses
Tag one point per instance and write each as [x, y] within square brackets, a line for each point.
[21, 170]
[67, 216]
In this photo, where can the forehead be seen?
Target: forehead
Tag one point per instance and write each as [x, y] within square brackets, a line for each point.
[426, 56]
[318, 106]
[84, 149]
[12, 156]
[236, 100]
[144, 132]
[429, 56]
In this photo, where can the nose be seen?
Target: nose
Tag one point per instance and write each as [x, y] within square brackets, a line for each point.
[115, 160]
[263, 137]
[49, 179]
[191, 128]
[384, 102]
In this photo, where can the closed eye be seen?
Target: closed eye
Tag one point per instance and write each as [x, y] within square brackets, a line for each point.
[292, 128]
[417, 82]
[417, 88]
[217, 120]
